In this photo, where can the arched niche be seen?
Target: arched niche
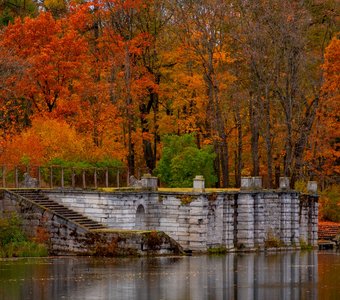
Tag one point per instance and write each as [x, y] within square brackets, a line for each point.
[140, 218]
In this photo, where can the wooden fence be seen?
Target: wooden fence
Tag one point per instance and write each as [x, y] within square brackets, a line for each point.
[65, 177]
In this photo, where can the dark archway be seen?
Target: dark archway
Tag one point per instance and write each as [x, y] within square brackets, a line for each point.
[140, 218]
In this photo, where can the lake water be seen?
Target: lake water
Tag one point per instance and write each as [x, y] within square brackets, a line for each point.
[290, 275]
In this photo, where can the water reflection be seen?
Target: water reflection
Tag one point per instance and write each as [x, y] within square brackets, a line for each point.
[234, 276]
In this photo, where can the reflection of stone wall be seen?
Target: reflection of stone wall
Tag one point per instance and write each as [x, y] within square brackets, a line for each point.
[289, 275]
[198, 221]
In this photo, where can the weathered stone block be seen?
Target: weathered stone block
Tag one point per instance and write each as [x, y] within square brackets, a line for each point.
[284, 183]
[198, 184]
[312, 187]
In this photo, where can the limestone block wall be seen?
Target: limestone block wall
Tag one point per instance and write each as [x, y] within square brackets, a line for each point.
[65, 237]
[62, 236]
[308, 219]
[116, 210]
[198, 221]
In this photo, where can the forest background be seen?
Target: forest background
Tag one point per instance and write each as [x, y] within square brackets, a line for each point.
[255, 84]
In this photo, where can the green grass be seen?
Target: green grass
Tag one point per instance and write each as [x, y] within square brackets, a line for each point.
[13, 241]
[163, 189]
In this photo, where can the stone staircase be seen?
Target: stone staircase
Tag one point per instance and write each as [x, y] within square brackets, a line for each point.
[38, 197]
[328, 230]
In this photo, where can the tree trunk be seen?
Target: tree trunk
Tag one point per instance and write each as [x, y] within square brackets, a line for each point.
[302, 140]
[129, 113]
[238, 153]
[268, 139]
[254, 128]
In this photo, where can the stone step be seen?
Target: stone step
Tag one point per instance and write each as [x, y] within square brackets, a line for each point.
[37, 197]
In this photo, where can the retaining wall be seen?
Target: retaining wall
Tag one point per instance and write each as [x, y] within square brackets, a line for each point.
[243, 220]
[65, 237]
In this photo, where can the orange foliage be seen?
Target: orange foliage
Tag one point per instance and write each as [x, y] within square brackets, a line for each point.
[101, 83]
[55, 54]
[325, 151]
[45, 140]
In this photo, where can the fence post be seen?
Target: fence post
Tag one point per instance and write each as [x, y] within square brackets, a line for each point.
[62, 177]
[107, 177]
[84, 180]
[16, 177]
[95, 178]
[118, 179]
[51, 177]
[3, 176]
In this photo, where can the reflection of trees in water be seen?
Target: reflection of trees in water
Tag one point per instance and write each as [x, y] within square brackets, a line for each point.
[233, 276]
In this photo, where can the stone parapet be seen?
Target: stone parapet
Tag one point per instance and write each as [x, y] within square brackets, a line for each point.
[242, 220]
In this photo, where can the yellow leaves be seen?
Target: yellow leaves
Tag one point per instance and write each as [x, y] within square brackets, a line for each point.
[223, 57]
[167, 125]
[47, 139]
[326, 130]
[55, 5]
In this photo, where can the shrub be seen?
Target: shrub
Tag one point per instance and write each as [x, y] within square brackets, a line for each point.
[181, 161]
[14, 243]
[329, 209]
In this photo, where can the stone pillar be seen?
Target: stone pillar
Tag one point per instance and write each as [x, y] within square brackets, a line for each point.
[295, 237]
[314, 215]
[198, 222]
[245, 221]
[284, 183]
[312, 187]
[149, 182]
[199, 184]
[228, 221]
[303, 218]
[286, 218]
[259, 221]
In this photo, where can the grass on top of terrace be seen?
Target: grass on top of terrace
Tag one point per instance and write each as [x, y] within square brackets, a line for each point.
[166, 189]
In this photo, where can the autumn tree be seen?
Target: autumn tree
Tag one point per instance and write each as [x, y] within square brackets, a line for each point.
[204, 31]
[15, 111]
[10, 9]
[55, 55]
[152, 20]
[283, 80]
[324, 149]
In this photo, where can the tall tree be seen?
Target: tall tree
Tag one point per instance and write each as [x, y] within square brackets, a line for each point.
[55, 55]
[283, 79]
[203, 25]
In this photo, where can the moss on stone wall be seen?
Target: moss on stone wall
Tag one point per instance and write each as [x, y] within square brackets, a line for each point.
[14, 242]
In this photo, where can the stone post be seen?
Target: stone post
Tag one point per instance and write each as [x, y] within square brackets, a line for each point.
[198, 184]
[251, 183]
[312, 187]
[246, 183]
[149, 182]
[257, 182]
[284, 183]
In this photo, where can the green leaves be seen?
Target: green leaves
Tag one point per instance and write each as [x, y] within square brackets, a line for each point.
[182, 161]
